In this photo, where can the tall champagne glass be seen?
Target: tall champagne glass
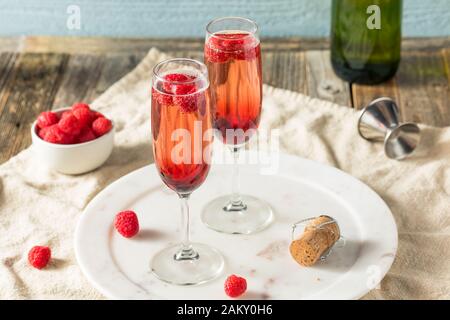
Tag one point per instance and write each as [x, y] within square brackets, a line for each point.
[233, 58]
[181, 121]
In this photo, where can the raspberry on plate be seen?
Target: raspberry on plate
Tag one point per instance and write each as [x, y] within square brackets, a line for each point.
[54, 134]
[70, 124]
[101, 126]
[126, 223]
[235, 286]
[39, 256]
[46, 119]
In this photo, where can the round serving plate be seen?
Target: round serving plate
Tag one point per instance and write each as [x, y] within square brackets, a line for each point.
[295, 188]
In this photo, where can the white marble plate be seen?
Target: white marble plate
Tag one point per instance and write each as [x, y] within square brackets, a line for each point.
[119, 267]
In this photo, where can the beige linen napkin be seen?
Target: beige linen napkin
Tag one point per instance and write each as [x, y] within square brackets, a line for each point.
[41, 207]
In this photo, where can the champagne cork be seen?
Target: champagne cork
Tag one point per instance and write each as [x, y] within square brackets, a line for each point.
[315, 241]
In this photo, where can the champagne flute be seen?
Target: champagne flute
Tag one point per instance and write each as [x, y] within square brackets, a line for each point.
[233, 58]
[181, 121]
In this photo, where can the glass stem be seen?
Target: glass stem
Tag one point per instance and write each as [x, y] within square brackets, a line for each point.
[186, 252]
[235, 203]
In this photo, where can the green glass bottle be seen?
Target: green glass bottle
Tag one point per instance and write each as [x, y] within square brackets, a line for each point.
[366, 39]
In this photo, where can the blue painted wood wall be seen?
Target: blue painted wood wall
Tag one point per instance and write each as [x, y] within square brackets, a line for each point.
[170, 18]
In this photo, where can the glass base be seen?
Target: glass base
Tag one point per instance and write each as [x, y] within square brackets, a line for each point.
[252, 216]
[184, 269]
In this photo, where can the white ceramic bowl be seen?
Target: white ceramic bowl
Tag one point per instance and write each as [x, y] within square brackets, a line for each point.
[73, 158]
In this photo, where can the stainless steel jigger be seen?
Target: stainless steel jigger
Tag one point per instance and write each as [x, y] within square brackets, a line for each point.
[379, 121]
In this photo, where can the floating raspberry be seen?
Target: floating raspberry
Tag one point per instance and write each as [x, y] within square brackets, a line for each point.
[177, 77]
[181, 89]
[233, 41]
[80, 105]
[54, 134]
[84, 116]
[86, 135]
[101, 126]
[215, 55]
[70, 124]
[222, 47]
[39, 256]
[235, 286]
[178, 87]
[162, 98]
[173, 77]
[46, 119]
[126, 223]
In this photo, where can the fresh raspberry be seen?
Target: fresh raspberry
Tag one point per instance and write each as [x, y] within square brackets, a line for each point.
[47, 119]
[84, 116]
[80, 105]
[126, 223]
[54, 134]
[39, 256]
[235, 286]
[70, 124]
[162, 98]
[86, 135]
[101, 126]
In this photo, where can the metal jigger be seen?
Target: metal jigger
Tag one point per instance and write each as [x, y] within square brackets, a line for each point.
[379, 121]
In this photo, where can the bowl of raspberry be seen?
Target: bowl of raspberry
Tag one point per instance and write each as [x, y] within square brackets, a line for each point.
[72, 140]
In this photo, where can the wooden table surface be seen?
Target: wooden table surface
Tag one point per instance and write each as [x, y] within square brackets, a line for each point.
[41, 73]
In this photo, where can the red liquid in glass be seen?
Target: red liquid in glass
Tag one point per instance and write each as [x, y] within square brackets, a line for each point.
[189, 168]
[235, 73]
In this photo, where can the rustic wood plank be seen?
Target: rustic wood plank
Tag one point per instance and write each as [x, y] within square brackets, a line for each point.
[81, 75]
[7, 61]
[421, 88]
[29, 90]
[114, 67]
[446, 55]
[11, 44]
[321, 80]
[285, 70]
[95, 45]
[88, 76]
[363, 94]
[424, 89]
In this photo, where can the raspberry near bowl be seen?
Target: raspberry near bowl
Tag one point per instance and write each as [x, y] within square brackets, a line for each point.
[71, 141]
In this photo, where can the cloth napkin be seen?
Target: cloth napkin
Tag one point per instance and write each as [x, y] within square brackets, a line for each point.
[42, 207]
